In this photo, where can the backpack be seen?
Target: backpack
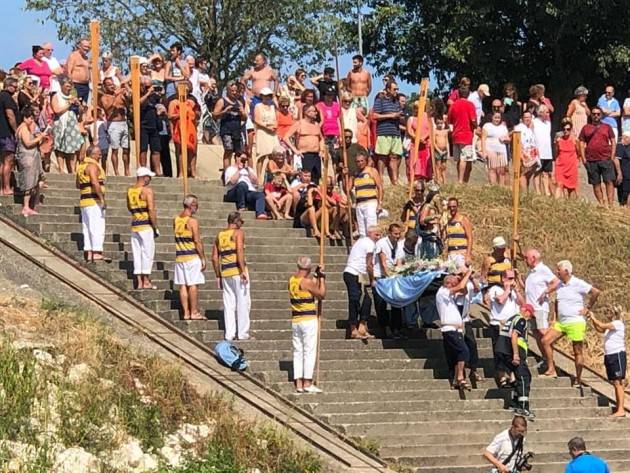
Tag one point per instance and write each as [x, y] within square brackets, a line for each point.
[231, 356]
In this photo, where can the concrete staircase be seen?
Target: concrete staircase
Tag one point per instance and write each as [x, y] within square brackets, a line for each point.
[392, 395]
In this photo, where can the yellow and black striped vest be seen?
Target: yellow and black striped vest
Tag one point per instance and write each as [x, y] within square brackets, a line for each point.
[303, 306]
[497, 268]
[185, 249]
[412, 219]
[88, 196]
[456, 237]
[365, 187]
[227, 253]
[139, 210]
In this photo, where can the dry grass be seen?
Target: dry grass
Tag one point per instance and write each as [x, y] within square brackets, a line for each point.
[595, 240]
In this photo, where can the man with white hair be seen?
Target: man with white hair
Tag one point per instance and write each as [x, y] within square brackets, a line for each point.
[570, 313]
[78, 67]
[539, 283]
[53, 65]
[542, 132]
[304, 292]
[358, 276]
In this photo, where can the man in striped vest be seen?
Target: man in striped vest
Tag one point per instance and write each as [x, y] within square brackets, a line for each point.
[228, 261]
[458, 232]
[141, 205]
[304, 292]
[368, 191]
[190, 259]
[90, 180]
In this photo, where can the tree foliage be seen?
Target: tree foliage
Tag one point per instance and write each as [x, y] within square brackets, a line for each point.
[560, 43]
[227, 32]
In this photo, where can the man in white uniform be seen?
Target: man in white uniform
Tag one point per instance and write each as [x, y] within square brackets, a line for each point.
[388, 253]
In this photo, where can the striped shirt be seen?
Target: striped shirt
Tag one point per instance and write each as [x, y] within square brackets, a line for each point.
[384, 105]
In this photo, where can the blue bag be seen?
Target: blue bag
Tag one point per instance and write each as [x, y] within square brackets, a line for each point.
[231, 356]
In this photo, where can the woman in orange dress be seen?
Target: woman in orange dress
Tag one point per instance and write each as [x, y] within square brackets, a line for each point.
[567, 161]
[422, 169]
[193, 112]
[578, 110]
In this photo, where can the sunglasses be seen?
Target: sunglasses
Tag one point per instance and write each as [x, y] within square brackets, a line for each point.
[567, 128]
[596, 114]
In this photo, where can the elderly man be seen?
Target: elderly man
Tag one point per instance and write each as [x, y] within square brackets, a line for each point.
[477, 98]
[539, 283]
[304, 292]
[597, 153]
[358, 275]
[570, 313]
[542, 131]
[262, 76]
[53, 65]
[452, 327]
[78, 68]
[610, 109]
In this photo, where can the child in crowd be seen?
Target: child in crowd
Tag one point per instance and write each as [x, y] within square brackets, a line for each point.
[277, 197]
[440, 147]
[614, 353]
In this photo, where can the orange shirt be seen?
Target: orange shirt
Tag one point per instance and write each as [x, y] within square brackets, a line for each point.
[285, 121]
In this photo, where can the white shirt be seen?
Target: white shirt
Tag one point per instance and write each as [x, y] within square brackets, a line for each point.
[501, 312]
[448, 311]
[494, 133]
[528, 139]
[52, 65]
[466, 300]
[614, 340]
[570, 298]
[477, 102]
[244, 177]
[538, 279]
[357, 263]
[384, 245]
[501, 447]
[542, 132]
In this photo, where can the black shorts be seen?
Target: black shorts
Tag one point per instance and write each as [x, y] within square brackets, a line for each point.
[455, 348]
[616, 366]
[503, 363]
[546, 165]
[232, 141]
[599, 171]
[150, 138]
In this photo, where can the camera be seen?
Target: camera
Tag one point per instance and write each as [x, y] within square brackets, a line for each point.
[523, 464]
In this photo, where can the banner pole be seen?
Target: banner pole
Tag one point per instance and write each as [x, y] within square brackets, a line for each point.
[134, 66]
[182, 92]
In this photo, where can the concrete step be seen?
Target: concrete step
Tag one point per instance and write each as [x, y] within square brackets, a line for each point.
[331, 375]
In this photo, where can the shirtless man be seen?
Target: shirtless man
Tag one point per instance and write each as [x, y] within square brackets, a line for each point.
[114, 102]
[440, 148]
[310, 141]
[78, 68]
[359, 82]
[261, 76]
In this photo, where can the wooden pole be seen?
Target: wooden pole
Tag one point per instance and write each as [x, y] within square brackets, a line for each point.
[95, 37]
[322, 245]
[134, 66]
[422, 104]
[344, 152]
[182, 93]
[516, 187]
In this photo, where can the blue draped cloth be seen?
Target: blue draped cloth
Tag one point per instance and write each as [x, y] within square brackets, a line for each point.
[405, 290]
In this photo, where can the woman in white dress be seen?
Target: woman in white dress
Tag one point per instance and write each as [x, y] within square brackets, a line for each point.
[67, 135]
[494, 136]
[530, 162]
[266, 125]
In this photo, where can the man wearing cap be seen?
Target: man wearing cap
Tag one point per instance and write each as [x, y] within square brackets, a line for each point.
[114, 101]
[228, 261]
[477, 97]
[496, 262]
[511, 352]
[540, 282]
[622, 153]
[304, 292]
[141, 205]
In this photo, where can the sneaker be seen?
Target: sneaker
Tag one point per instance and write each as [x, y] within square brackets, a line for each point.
[525, 413]
[312, 389]
[262, 217]
[299, 390]
[540, 364]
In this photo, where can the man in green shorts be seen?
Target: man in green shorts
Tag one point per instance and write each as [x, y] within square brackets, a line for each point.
[388, 149]
[570, 313]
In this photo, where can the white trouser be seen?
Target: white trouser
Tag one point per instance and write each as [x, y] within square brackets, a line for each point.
[236, 305]
[366, 216]
[93, 226]
[143, 249]
[304, 349]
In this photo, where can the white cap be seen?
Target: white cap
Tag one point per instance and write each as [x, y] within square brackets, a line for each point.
[266, 91]
[626, 133]
[499, 242]
[484, 88]
[143, 172]
[143, 60]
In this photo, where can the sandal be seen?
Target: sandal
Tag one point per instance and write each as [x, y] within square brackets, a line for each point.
[197, 316]
[462, 384]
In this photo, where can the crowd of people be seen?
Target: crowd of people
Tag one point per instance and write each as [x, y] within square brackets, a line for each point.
[284, 143]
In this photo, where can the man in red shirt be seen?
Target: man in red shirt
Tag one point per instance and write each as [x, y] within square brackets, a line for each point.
[597, 153]
[463, 117]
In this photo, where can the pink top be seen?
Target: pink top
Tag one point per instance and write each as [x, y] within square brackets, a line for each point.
[40, 70]
[330, 117]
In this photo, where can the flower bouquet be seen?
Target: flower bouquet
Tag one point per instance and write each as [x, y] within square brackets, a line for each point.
[418, 265]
